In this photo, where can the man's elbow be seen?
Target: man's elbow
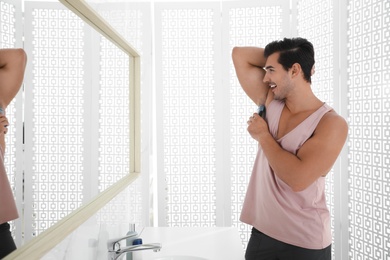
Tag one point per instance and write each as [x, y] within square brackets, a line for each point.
[234, 53]
[22, 56]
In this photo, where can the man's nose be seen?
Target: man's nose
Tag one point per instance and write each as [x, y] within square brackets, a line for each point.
[266, 78]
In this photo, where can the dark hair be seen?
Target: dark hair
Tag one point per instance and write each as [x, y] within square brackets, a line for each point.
[294, 50]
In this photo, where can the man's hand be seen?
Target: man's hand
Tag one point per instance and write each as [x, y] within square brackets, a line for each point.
[3, 130]
[257, 127]
[3, 124]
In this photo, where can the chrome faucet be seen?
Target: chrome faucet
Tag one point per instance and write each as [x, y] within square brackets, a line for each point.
[115, 251]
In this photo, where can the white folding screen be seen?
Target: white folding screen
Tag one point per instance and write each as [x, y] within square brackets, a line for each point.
[132, 21]
[186, 65]
[369, 120]
[245, 24]
[205, 155]
[54, 123]
[315, 22]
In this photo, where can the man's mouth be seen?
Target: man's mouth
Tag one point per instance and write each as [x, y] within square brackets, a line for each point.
[272, 85]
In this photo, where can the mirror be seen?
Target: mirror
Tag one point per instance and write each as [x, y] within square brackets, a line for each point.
[80, 109]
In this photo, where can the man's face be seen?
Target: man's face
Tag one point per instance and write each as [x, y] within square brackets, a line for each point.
[277, 77]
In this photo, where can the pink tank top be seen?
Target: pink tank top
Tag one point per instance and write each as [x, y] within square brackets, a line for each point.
[8, 209]
[272, 207]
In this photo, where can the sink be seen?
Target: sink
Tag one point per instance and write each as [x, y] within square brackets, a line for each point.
[180, 257]
[192, 243]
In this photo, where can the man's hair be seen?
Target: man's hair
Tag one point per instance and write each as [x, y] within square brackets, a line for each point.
[294, 50]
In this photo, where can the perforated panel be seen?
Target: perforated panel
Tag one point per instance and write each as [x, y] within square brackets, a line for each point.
[187, 83]
[131, 21]
[57, 64]
[315, 23]
[114, 154]
[369, 120]
[127, 207]
[7, 23]
[248, 26]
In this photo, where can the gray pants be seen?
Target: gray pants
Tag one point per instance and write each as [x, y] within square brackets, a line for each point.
[263, 247]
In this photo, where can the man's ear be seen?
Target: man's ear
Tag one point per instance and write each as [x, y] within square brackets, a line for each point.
[295, 70]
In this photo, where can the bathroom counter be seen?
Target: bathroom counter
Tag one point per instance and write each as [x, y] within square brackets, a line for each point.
[213, 243]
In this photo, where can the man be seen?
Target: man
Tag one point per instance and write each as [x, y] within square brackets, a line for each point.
[12, 66]
[299, 141]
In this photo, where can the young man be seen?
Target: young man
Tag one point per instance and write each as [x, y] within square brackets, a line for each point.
[299, 142]
[12, 66]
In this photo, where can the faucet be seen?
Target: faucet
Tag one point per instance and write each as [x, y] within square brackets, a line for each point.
[115, 251]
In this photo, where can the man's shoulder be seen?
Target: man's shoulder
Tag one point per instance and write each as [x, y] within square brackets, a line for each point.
[332, 121]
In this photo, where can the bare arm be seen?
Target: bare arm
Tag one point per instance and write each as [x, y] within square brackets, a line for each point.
[12, 66]
[313, 160]
[249, 63]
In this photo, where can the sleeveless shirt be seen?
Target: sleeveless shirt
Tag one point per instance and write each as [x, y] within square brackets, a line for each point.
[272, 207]
[8, 209]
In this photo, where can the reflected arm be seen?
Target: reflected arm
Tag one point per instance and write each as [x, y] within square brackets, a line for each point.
[12, 67]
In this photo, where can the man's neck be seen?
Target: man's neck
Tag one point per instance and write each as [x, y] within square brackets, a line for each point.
[302, 101]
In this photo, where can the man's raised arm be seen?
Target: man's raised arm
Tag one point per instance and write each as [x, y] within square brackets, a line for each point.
[12, 66]
[249, 63]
